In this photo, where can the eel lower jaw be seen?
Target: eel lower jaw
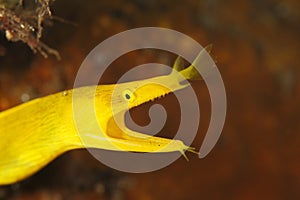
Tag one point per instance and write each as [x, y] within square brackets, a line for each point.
[152, 144]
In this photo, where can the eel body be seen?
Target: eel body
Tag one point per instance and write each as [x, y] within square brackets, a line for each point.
[36, 132]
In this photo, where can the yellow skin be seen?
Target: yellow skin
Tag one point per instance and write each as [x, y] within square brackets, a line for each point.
[36, 132]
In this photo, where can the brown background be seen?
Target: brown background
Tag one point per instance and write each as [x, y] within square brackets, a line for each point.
[256, 46]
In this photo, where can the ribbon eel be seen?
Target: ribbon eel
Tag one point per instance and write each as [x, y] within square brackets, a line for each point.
[36, 132]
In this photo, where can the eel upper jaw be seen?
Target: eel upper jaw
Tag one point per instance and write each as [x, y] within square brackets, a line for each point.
[116, 126]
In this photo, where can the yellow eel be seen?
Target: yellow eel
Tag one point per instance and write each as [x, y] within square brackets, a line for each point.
[36, 132]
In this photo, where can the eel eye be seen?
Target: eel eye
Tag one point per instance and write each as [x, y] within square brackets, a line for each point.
[128, 95]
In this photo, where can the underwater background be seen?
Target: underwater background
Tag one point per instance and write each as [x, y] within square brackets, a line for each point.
[256, 47]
